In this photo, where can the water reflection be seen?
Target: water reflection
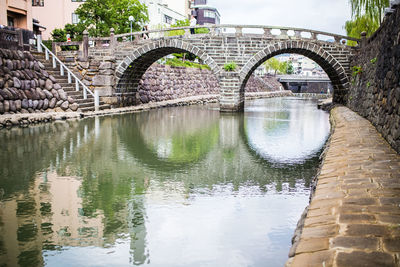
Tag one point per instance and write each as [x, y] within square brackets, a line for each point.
[172, 187]
[288, 130]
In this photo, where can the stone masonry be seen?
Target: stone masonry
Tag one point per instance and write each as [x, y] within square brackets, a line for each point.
[375, 89]
[354, 215]
[26, 86]
[247, 51]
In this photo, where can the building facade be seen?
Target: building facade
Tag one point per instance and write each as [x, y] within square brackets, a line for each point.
[16, 13]
[204, 13]
[164, 13]
[54, 14]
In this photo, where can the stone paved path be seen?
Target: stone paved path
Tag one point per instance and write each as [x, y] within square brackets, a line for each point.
[354, 216]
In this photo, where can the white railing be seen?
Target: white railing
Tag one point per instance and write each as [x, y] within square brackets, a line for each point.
[71, 75]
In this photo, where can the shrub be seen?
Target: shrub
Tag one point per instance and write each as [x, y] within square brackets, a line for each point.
[175, 62]
[357, 70]
[231, 66]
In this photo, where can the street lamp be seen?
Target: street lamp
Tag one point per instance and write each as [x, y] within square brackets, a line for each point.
[130, 20]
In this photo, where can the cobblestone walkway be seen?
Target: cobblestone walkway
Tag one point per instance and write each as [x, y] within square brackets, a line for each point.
[354, 216]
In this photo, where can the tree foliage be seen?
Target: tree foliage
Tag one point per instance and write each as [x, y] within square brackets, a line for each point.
[177, 24]
[58, 35]
[284, 67]
[290, 68]
[372, 9]
[99, 16]
[354, 28]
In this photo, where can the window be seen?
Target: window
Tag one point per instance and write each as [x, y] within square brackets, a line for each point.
[10, 21]
[209, 14]
[37, 2]
[75, 18]
[167, 19]
[78, 0]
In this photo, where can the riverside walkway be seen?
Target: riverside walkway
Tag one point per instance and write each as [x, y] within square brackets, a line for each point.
[354, 215]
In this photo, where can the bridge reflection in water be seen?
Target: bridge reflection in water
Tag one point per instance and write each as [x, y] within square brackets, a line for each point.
[173, 186]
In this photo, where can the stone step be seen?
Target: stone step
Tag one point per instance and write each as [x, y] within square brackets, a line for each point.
[84, 101]
[101, 107]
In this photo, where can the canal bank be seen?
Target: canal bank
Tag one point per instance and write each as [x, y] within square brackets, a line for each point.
[354, 215]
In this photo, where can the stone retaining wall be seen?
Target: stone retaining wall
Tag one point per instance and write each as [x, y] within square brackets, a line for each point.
[26, 87]
[162, 82]
[375, 89]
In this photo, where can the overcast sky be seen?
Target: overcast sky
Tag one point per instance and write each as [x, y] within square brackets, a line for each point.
[324, 15]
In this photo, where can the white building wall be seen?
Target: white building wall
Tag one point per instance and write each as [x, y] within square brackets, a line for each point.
[159, 9]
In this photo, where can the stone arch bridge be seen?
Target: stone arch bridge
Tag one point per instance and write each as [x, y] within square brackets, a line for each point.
[224, 44]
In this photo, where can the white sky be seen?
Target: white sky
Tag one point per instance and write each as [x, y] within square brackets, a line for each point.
[323, 15]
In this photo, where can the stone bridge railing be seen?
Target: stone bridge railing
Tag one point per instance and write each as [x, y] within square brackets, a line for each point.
[238, 30]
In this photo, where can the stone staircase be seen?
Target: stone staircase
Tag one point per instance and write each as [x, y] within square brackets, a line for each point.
[85, 105]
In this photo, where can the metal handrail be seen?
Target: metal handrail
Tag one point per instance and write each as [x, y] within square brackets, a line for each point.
[70, 74]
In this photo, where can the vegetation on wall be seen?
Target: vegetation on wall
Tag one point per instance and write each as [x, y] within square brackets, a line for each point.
[175, 62]
[231, 66]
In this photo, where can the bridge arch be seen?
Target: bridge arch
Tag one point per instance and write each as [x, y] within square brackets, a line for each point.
[131, 69]
[333, 68]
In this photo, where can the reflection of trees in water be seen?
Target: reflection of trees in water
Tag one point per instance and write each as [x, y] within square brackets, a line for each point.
[186, 147]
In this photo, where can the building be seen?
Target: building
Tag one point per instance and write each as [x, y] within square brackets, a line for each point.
[204, 13]
[54, 14]
[16, 13]
[164, 13]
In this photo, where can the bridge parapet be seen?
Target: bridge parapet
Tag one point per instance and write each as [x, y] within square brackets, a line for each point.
[269, 32]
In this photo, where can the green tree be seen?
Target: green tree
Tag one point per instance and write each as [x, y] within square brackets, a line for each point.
[98, 16]
[373, 9]
[354, 28]
[177, 24]
[272, 64]
[75, 31]
[59, 35]
[290, 68]
[284, 67]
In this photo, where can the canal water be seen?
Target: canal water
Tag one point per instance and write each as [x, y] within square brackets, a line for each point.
[182, 186]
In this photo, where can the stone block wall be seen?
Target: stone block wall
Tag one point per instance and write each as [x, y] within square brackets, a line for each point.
[97, 72]
[162, 82]
[375, 88]
[265, 83]
[26, 87]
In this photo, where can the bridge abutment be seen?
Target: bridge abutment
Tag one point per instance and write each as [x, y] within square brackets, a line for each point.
[231, 99]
